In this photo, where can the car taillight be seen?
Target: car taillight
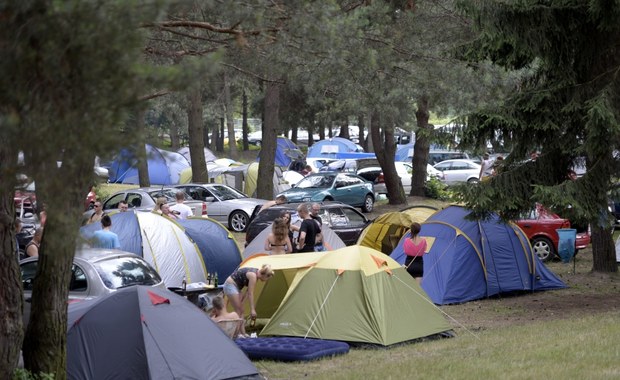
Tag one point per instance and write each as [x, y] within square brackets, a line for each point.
[204, 208]
[381, 178]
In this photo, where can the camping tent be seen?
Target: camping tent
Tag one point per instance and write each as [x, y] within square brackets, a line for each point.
[148, 333]
[286, 152]
[473, 259]
[170, 248]
[404, 153]
[330, 147]
[209, 156]
[331, 241]
[353, 294]
[164, 167]
[385, 231]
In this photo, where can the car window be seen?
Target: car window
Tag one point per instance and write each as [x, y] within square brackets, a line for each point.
[113, 201]
[316, 181]
[197, 192]
[443, 166]
[352, 180]
[78, 283]
[355, 219]
[28, 271]
[121, 272]
[459, 166]
[226, 193]
[169, 194]
[134, 200]
[337, 218]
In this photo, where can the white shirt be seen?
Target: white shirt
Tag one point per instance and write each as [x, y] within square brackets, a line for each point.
[184, 210]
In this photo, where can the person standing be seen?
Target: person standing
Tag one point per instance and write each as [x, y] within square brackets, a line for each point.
[307, 230]
[278, 242]
[239, 279]
[32, 248]
[105, 238]
[315, 209]
[181, 210]
[486, 167]
[280, 199]
[98, 214]
[414, 248]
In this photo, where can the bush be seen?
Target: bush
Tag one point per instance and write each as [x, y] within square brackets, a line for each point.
[24, 374]
[436, 189]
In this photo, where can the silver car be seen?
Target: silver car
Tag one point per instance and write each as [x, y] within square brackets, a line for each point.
[456, 171]
[225, 204]
[95, 272]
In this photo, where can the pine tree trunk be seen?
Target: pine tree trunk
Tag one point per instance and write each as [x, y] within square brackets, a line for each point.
[344, 131]
[264, 186]
[140, 150]
[230, 123]
[294, 133]
[311, 133]
[363, 140]
[245, 126]
[11, 295]
[603, 250]
[321, 132]
[196, 137]
[219, 139]
[385, 150]
[421, 148]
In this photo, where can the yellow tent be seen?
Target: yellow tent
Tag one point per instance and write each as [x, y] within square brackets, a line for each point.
[384, 233]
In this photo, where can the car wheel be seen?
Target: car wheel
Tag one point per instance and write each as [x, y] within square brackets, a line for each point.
[238, 221]
[473, 181]
[369, 203]
[543, 248]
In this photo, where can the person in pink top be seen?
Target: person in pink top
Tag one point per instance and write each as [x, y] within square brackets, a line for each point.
[414, 249]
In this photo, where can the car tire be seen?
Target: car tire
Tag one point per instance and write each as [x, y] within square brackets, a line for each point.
[369, 203]
[473, 181]
[238, 221]
[543, 248]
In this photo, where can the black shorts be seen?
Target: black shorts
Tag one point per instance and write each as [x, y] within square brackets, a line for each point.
[415, 265]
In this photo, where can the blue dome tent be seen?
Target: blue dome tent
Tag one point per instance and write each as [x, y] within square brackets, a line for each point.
[404, 153]
[186, 249]
[286, 152]
[329, 148]
[473, 259]
[164, 167]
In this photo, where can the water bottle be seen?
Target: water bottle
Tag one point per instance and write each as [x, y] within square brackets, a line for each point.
[208, 278]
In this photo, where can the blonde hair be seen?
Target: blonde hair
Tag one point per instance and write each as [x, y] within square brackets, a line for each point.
[266, 271]
[280, 229]
[160, 202]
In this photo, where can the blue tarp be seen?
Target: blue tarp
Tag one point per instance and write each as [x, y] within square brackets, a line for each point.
[164, 167]
[404, 153]
[469, 260]
[330, 147]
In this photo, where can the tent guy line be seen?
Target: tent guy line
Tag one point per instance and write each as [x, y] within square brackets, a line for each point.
[323, 304]
[437, 307]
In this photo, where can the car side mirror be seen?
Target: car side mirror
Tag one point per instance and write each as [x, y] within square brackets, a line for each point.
[209, 199]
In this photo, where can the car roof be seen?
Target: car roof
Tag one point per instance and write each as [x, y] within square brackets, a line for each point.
[294, 205]
[93, 255]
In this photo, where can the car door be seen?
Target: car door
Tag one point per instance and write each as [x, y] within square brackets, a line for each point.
[358, 190]
[217, 209]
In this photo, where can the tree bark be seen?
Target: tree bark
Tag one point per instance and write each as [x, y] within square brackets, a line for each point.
[344, 131]
[322, 132]
[370, 140]
[11, 294]
[205, 134]
[421, 148]
[140, 150]
[218, 137]
[46, 334]
[330, 130]
[175, 138]
[363, 141]
[267, 153]
[230, 123]
[245, 126]
[385, 151]
[196, 137]
[311, 133]
[294, 129]
[603, 250]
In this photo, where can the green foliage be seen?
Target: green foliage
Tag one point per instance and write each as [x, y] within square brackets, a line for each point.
[24, 374]
[435, 189]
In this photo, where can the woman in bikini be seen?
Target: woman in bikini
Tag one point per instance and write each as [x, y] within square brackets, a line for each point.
[414, 249]
[278, 241]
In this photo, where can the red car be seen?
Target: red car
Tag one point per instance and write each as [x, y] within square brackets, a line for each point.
[540, 227]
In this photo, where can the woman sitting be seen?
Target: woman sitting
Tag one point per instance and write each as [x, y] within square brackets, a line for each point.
[228, 321]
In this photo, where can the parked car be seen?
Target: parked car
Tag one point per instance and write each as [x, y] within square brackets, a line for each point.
[225, 204]
[437, 156]
[330, 186]
[344, 220]
[144, 198]
[255, 138]
[541, 225]
[94, 273]
[375, 175]
[457, 171]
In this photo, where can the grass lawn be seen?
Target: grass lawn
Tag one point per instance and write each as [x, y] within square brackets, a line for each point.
[582, 348]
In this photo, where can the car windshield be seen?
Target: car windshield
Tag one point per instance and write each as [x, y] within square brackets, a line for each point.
[120, 272]
[225, 193]
[316, 182]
